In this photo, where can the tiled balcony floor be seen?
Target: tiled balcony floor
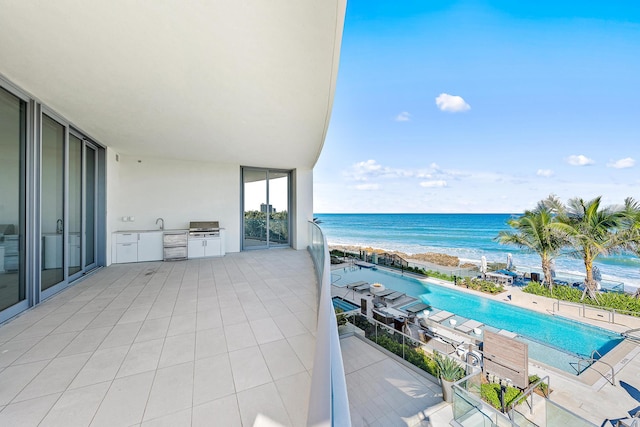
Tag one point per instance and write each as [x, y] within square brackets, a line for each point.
[384, 393]
[221, 341]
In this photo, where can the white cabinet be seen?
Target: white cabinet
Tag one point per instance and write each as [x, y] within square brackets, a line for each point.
[126, 252]
[136, 246]
[150, 246]
[200, 247]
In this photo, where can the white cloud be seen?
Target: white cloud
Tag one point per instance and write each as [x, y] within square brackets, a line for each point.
[405, 116]
[579, 160]
[433, 184]
[627, 162]
[451, 103]
[545, 172]
[367, 187]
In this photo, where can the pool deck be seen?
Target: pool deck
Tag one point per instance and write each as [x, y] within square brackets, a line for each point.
[590, 395]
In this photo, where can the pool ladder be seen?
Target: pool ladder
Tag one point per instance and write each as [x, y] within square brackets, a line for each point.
[593, 361]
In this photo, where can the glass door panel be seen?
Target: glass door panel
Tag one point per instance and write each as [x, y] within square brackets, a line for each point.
[278, 208]
[255, 208]
[74, 240]
[90, 206]
[52, 202]
[13, 127]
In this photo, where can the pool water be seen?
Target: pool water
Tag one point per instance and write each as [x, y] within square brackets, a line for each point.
[343, 304]
[552, 340]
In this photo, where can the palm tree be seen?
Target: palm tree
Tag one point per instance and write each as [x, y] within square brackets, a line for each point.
[535, 234]
[593, 230]
[629, 236]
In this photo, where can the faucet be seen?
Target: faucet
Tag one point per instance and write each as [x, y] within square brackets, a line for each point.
[59, 226]
[162, 223]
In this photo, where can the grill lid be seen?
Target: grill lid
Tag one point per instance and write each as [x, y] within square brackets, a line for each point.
[204, 226]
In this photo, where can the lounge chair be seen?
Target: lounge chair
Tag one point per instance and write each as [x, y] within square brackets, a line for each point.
[356, 284]
[394, 296]
[416, 308]
[384, 293]
[363, 287]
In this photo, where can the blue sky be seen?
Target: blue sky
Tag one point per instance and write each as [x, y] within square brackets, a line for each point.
[482, 106]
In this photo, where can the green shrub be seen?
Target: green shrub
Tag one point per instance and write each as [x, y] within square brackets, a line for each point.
[485, 286]
[448, 368]
[611, 300]
[490, 393]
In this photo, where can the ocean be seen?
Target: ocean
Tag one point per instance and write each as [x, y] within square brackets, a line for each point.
[467, 236]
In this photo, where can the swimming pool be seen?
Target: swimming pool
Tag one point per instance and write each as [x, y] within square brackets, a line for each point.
[344, 305]
[552, 340]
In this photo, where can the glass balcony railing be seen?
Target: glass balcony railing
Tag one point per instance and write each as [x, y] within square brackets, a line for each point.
[328, 403]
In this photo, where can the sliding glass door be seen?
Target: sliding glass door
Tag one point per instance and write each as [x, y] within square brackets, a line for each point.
[52, 218]
[13, 126]
[68, 205]
[265, 208]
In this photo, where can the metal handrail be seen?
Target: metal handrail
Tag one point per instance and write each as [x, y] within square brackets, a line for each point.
[529, 392]
[582, 307]
[593, 361]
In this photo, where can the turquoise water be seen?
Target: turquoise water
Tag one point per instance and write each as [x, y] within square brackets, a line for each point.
[343, 305]
[467, 236]
[552, 340]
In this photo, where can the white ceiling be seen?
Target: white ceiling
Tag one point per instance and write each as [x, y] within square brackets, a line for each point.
[248, 82]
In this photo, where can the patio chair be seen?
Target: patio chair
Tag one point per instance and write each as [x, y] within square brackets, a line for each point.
[394, 296]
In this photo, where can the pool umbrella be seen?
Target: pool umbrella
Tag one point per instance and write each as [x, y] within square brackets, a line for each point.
[509, 262]
[483, 264]
[597, 276]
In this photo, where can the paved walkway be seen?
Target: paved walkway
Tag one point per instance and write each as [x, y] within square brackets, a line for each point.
[384, 393]
[221, 341]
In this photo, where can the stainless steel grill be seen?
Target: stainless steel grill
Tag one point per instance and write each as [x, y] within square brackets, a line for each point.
[204, 228]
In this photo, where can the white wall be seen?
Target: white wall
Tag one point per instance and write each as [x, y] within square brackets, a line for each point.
[182, 191]
[303, 205]
[147, 188]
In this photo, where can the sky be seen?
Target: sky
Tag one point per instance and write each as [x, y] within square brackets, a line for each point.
[482, 106]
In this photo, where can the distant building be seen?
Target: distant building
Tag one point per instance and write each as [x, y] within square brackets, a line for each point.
[267, 208]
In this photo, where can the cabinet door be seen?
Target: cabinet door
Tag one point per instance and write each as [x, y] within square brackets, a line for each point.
[212, 247]
[196, 248]
[126, 252]
[150, 246]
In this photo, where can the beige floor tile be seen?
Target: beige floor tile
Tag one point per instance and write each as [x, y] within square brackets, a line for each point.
[210, 342]
[15, 378]
[213, 379]
[55, 377]
[294, 392]
[182, 324]
[121, 334]
[47, 348]
[249, 368]
[208, 319]
[27, 413]
[142, 357]
[239, 336]
[12, 350]
[124, 403]
[224, 411]
[178, 349]
[153, 329]
[304, 346]
[289, 325]
[179, 419]
[102, 366]
[263, 404]
[172, 391]
[86, 341]
[76, 408]
[281, 359]
[265, 330]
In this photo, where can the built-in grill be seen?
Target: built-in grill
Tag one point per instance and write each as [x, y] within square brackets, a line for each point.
[204, 229]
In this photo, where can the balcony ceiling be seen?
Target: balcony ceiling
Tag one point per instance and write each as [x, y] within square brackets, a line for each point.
[243, 82]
